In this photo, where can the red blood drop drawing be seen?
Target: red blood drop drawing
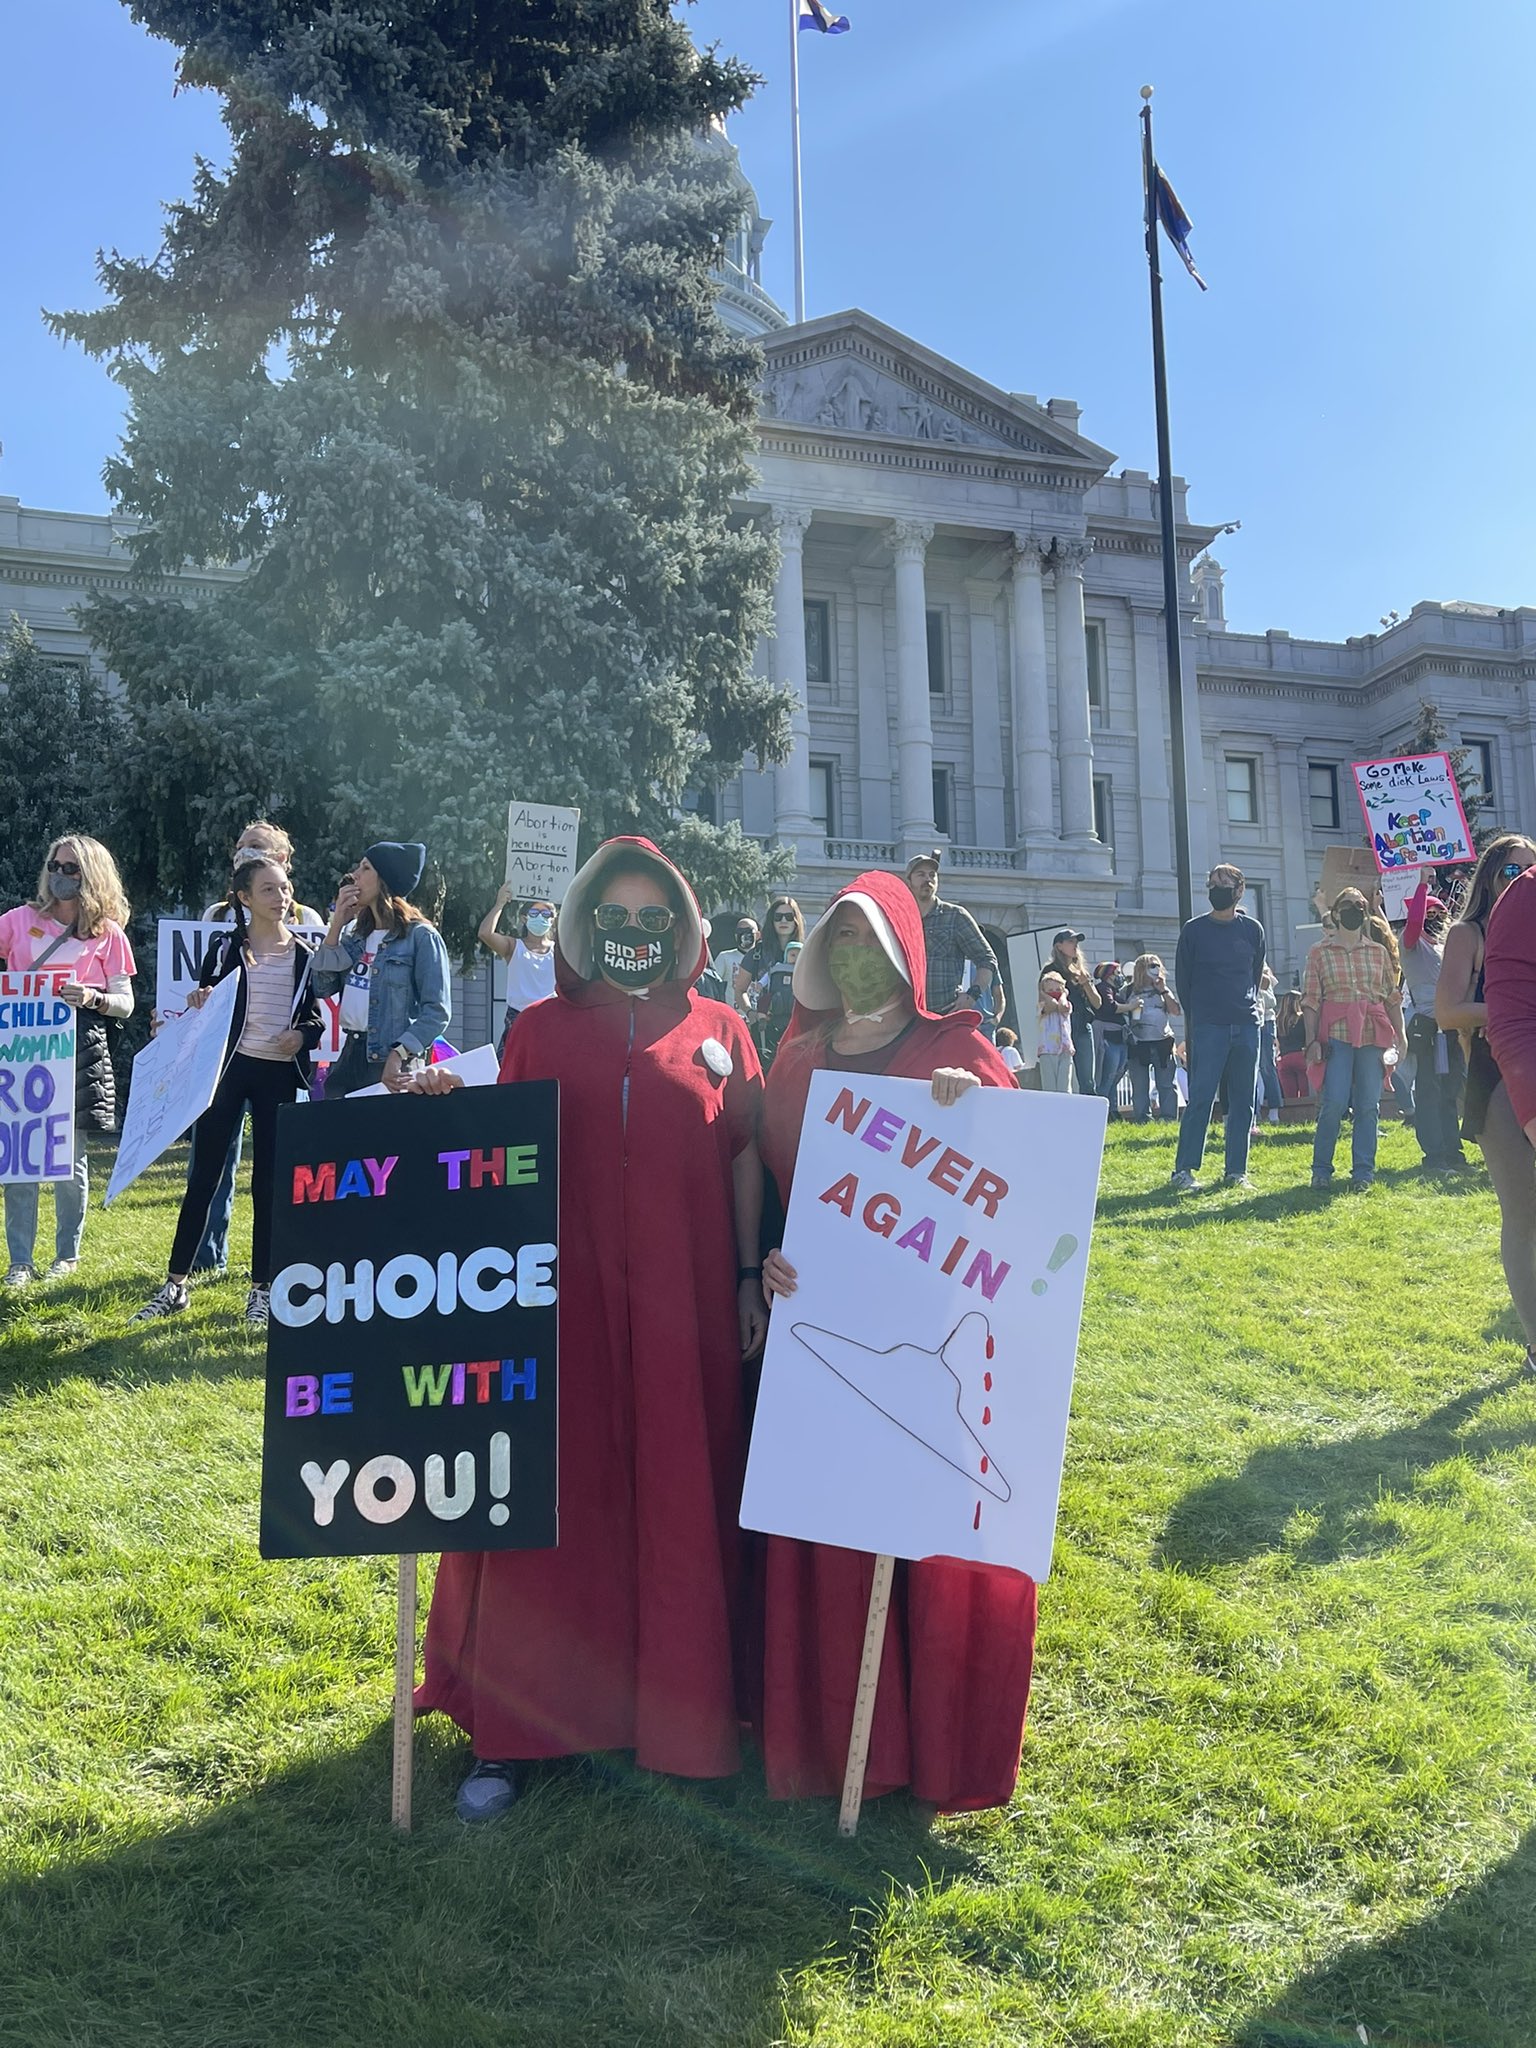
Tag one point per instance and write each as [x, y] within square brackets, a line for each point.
[986, 1417]
[991, 1347]
[986, 1381]
[984, 1463]
[976, 1518]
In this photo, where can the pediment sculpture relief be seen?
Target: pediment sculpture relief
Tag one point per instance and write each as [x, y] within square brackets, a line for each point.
[859, 400]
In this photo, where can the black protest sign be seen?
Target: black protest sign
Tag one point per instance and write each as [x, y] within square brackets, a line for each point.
[411, 1354]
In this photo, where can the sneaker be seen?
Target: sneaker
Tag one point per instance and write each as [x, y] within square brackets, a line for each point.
[487, 1792]
[1238, 1180]
[19, 1276]
[1359, 1186]
[1274, 1116]
[257, 1305]
[169, 1301]
[1183, 1181]
[1322, 1180]
[61, 1269]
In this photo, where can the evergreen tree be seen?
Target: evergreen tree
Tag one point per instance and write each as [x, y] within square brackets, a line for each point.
[1431, 735]
[436, 361]
[60, 739]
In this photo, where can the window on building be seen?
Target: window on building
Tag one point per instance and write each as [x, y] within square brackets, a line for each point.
[1103, 810]
[824, 796]
[1323, 795]
[818, 644]
[938, 653]
[1242, 789]
[943, 805]
[1098, 681]
[1482, 760]
[1256, 905]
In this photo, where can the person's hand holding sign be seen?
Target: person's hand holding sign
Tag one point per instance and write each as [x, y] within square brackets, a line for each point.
[950, 1083]
[430, 1081]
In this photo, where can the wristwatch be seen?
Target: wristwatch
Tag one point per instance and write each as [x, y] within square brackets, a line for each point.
[404, 1051]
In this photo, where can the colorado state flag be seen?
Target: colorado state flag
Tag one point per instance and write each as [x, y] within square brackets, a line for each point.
[1176, 222]
[813, 14]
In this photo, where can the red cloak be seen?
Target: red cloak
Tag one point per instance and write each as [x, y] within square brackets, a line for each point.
[622, 1637]
[959, 1644]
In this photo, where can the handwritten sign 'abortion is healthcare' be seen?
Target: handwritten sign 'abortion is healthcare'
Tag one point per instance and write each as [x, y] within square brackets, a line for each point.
[541, 850]
[37, 1077]
[1413, 812]
[411, 1353]
[916, 1385]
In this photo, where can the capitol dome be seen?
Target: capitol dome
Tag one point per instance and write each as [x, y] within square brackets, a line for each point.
[742, 303]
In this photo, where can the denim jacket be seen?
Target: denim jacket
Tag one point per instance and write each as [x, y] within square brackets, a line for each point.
[408, 1001]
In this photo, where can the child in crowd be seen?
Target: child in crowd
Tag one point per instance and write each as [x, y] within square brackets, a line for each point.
[1008, 1052]
[1055, 1035]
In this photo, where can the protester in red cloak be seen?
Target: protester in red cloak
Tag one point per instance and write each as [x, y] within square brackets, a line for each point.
[621, 1638]
[959, 1644]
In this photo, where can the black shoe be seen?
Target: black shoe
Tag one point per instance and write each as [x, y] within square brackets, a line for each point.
[487, 1792]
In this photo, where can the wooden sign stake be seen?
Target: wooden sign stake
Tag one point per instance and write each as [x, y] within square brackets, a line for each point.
[864, 1699]
[405, 1687]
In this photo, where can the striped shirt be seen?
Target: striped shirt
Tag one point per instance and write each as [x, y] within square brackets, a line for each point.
[268, 1004]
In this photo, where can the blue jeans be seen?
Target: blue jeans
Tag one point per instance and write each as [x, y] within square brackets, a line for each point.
[1351, 1080]
[213, 1253]
[1215, 1051]
[1112, 1059]
[1266, 1091]
[1083, 1061]
[1437, 1097]
[68, 1212]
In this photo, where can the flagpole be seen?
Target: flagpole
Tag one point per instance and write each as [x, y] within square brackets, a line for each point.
[794, 157]
[1181, 853]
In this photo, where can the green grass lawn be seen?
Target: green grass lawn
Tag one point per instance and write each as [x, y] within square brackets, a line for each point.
[1278, 1783]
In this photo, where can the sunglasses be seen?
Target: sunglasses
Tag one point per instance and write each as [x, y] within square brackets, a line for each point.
[783, 917]
[63, 867]
[655, 917]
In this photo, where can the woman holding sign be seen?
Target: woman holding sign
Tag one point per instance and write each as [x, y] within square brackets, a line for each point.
[274, 1030]
[391, 967]
[959, 1644]
[75, 921]
[623, 1637]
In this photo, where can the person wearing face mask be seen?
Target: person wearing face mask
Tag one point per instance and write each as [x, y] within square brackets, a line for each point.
[1352, 1007]
[746, 939]
[391, 967]
[76, 921]
[530, 954]
[1216, 972]
[624, 1637]
[949, 1712]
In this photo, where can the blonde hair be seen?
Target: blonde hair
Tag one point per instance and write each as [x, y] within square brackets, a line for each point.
[277, 842]
[1141, 971]
[101, 900]
[1049, 977]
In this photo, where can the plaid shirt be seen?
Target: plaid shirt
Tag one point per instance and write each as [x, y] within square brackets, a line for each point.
[952, 936]
[1347, 984]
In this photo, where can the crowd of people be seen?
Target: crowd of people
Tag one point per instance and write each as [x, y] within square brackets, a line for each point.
[656, 1626]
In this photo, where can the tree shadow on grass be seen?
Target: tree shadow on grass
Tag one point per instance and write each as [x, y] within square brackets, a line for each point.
[86, 1332]
[605, 1911]
[1229, 1520]
[1397, 1988]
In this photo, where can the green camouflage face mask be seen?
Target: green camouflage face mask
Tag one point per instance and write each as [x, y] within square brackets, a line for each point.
[865, 975]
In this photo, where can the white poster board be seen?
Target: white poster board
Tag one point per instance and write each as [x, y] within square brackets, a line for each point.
[477, 1068]
[183, 944]
[1396, 888]
[541, 850]
[37, 1077]
[1413, 812]
[916, 1386]
[174, 1079]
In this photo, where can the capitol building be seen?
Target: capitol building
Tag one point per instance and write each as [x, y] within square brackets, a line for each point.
[969, 619]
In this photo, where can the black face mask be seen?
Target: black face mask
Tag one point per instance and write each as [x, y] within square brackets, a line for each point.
[1222, 896]
[634, 959]
[1351, 917]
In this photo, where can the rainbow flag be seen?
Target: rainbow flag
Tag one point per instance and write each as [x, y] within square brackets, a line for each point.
[814, 14]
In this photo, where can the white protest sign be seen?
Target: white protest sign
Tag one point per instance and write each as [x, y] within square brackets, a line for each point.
[1413, 812]
[477, 1068]
[37, 1077]
[183, 944]
[174, 1079]
[1396, 888]
[541, 850]
[916, 1385]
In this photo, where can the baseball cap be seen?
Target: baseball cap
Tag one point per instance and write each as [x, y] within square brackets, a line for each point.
[1067, 933]
[917, 859]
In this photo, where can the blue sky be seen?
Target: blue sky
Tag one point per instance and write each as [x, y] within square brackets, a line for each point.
[1355, 386]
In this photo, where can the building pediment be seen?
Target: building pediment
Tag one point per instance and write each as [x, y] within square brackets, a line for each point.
[849, 374]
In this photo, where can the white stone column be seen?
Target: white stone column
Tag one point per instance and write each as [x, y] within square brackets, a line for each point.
[875, 820]
[792, 778]
[1074, 719]
[1031, 694]
[986, 714]
[908, 539]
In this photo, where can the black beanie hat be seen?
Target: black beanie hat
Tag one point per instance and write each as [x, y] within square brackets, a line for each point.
[399, 865]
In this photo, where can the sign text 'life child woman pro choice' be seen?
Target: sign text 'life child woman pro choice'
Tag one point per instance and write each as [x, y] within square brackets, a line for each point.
[398, 1267]
[37, 1056]
[926, 1161]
